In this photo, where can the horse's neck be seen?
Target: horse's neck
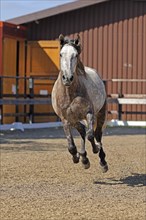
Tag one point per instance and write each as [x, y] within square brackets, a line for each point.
[70, 92]
[73, 88]
[80, 68]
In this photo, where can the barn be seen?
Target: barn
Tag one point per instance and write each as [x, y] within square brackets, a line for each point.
[113, 35]
[27, 73]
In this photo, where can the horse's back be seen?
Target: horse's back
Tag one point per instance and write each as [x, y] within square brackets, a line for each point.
[95, 88]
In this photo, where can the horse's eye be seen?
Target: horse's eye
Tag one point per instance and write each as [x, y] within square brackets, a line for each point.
[60, 55]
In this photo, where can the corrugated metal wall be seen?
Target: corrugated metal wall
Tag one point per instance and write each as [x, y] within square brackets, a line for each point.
[113, 36]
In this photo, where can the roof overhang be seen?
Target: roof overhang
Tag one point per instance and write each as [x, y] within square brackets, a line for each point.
[77, 4]
[12, 30]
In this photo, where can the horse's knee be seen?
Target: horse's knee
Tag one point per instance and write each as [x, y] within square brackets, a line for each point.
[90, 135]
[97, 147]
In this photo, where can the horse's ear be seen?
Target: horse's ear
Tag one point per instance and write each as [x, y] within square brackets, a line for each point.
[77, 40]
[61, 39]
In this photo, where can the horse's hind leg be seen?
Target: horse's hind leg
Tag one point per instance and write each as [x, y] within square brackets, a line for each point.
[82, 131]
[90, 133]
[98, 135]
[71, 145]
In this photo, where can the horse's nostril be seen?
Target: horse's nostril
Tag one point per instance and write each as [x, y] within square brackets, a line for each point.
[63, 77]
[71, 78]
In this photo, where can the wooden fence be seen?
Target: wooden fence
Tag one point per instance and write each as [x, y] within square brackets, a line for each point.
[121, 98]
[29, 98]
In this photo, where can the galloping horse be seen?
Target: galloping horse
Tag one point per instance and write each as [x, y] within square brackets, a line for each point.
[79, 95]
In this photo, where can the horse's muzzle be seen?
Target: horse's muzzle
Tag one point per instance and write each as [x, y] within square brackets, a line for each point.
[67, 81]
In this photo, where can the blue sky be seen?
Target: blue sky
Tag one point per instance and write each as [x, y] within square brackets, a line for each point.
[14, 8]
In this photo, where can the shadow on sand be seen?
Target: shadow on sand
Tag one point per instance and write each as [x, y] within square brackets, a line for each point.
[135, 180]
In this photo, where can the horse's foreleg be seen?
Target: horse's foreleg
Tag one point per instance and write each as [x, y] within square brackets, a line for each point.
[82, 131]
[71, 145]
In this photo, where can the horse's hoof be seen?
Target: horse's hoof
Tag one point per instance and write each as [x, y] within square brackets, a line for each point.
[104, 168]
[76, 158]
[86, 163]
[86, 166]
[96, 149]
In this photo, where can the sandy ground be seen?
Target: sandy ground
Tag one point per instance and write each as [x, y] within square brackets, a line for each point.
[40, 182]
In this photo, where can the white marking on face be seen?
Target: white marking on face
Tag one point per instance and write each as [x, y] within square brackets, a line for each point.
[68, 60]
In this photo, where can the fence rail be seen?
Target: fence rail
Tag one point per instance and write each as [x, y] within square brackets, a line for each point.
[26, 98]
[30, 98]
[122, 98]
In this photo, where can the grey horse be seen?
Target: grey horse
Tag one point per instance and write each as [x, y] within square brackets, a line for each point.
[79, 99]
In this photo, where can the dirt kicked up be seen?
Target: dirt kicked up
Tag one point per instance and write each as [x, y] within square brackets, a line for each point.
[40, 182]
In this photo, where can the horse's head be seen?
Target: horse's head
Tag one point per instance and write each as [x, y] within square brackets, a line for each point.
[69, 53]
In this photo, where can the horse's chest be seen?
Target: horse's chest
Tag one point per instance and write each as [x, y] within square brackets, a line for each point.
[77, 109]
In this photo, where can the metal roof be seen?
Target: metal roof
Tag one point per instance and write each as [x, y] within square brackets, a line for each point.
[54, 11]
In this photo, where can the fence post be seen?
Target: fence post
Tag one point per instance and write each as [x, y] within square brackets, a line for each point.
[120, 95]
[17, 96]
[31, 93]
[1, 96]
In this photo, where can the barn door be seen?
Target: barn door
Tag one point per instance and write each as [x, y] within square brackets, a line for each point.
[43, 60]
[13, 65]
[9, 69]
